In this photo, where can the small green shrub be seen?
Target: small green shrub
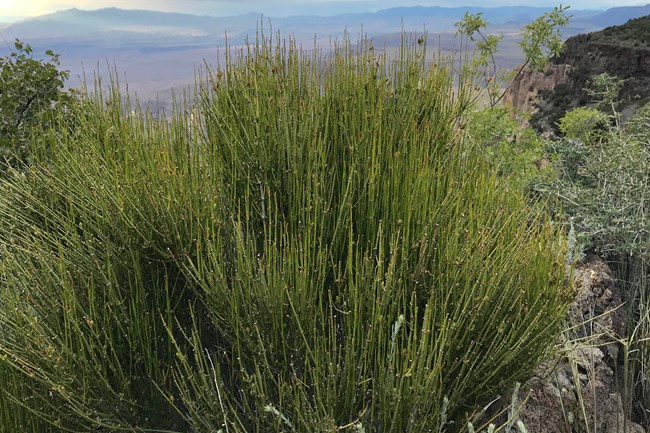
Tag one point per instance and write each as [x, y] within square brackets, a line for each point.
[307, 247]
[588, 125]
[515, 151]
[31, 93]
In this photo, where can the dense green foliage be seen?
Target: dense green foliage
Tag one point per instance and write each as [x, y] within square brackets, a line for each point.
[515, 151]
[307, 248]
[604, 173]
[604, 187]
[30, 90]
[587, 125]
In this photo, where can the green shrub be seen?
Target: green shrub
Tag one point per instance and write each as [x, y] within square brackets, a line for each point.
[603, 189]
[585, 124]
[307, 247]
[604, 178]
[513, 150]
[31, 93]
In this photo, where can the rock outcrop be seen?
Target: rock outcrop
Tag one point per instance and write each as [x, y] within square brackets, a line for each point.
[621, 51]
[583, 391]
[526, 87]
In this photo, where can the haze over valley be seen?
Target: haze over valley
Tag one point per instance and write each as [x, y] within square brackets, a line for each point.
[156, 52]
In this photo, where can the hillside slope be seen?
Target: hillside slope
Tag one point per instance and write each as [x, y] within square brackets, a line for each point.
[622, 51]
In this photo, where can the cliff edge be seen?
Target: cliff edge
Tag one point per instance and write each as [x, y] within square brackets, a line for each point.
[622, 51]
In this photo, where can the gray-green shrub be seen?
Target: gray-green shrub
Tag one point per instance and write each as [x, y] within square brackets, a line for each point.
[604, 188]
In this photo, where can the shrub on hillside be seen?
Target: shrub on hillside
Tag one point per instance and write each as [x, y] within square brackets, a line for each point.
[588, 125]
[31, 89]
[306, 248]
[603, 189]
[515, 151]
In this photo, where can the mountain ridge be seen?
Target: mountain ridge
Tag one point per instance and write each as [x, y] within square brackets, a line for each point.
[441, 11]
[74, 22]
[160, 50]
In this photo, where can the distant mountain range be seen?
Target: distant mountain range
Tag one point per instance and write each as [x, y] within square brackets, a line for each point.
[159, 50]
[120, 23]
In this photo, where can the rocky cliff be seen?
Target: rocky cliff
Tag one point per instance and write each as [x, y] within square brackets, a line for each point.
[583, 390]
[621, 51]
[526, 87]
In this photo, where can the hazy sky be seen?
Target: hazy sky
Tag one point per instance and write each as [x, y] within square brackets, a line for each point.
[21, 8]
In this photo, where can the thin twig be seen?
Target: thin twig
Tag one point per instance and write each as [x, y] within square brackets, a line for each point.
[216, 384]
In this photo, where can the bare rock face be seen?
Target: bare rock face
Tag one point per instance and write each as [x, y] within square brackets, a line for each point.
[584, 390]
[524, 91]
